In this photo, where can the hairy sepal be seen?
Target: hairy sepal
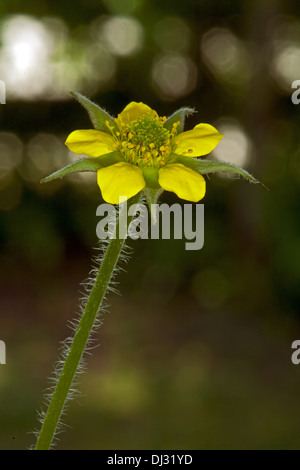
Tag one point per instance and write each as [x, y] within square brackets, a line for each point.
[213, 166]
[98, 116]
[180, 116]
[85, 164]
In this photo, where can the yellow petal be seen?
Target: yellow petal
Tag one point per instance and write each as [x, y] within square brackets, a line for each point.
[183, 181]
[134, 111]
[90, 142]
[120, 180]
[199, 141]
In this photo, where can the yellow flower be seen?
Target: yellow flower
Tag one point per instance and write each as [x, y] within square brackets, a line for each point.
[150, 152]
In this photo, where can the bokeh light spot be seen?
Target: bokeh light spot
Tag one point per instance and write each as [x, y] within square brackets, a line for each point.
[283, 53]
[226, 56]
[174, 76]
[122, 35]
[41, 59]
[286, 65]
[11, 150]
[235, 147]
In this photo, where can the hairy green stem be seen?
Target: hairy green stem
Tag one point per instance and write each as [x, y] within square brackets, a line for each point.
[82, 334]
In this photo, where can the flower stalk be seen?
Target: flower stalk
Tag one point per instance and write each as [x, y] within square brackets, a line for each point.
[136, 152]
[82, 334]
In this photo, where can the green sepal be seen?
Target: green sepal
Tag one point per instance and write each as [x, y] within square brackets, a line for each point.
[212, 166]
[97, 115]
[180, 116]
[85, 164]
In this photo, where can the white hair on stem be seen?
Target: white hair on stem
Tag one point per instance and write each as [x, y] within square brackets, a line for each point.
[73, 324]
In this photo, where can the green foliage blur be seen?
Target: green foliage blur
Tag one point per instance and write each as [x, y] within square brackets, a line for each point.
[196, 352]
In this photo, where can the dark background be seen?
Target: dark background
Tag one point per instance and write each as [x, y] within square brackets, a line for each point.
[196, 352]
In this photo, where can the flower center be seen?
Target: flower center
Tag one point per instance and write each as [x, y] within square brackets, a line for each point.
[145, 142]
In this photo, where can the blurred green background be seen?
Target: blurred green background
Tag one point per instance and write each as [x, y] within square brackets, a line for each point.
[196, 353]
